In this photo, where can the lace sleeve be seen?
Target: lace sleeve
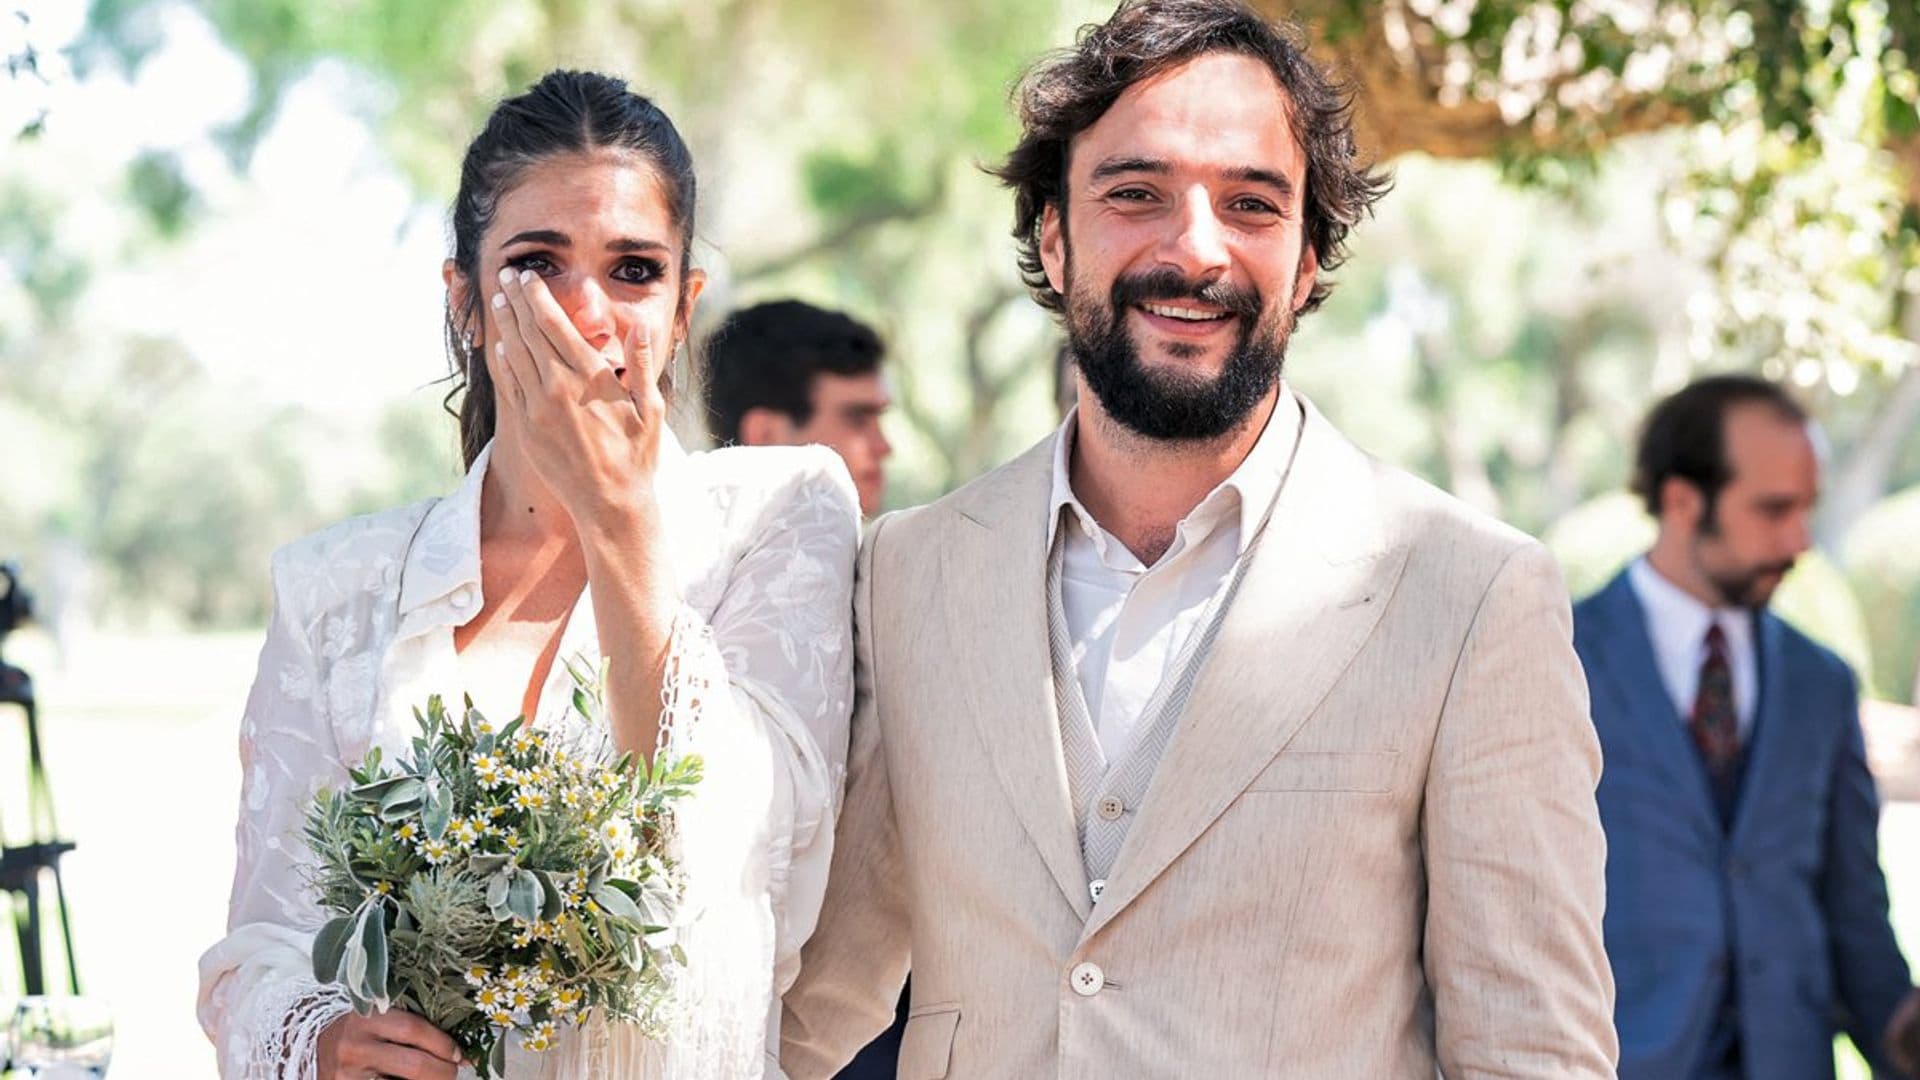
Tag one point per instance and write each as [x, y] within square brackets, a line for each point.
[785, 631]
[258, 1001]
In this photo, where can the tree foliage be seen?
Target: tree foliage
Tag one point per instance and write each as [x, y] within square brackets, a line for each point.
[1501, 339]
[1800, 183]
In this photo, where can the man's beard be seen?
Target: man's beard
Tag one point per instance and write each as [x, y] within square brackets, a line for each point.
[1175, 406]
[1742, 588]
[1739, 587]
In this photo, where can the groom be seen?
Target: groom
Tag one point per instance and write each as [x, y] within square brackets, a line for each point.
[1194, 742]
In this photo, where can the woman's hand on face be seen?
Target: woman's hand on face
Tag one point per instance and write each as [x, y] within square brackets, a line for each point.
[590, 419]
[394, 1043]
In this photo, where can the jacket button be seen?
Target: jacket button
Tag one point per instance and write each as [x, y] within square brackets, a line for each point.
[1110, 808]
[1087, 979]
[462, 598]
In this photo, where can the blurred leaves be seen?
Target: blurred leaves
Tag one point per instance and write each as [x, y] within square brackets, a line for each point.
[22, 60]
[1883, 562]
[1793, 186]
[1501, 340]
[157, 186]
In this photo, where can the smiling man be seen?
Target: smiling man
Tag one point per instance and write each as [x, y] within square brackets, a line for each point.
[1195, 742]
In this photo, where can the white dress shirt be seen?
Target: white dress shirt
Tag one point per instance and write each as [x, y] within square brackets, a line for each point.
[1128, 620]
[759, 682]
[1677, 624]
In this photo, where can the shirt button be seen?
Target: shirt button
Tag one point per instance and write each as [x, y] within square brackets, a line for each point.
[1110, 808]
[462, 598]
[1096, 887]
[1087, 979]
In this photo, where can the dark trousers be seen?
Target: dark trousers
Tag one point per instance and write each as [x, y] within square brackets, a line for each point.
[880, 1058]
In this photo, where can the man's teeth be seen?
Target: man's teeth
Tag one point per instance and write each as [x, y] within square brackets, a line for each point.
[1189, 314]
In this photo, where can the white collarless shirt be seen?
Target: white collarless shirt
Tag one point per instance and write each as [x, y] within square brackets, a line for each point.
[1128, 621]
[1677, 624]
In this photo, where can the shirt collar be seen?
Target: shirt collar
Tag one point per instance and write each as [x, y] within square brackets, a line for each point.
[444, 556]
[1677, 621]
[1246, 492]
[443, 561]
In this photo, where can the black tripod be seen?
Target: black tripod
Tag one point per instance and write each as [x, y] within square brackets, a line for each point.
[24, 869]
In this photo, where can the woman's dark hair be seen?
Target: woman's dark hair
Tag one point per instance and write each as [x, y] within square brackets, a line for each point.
[1068, 91]
[1685, 437]
[566, 112]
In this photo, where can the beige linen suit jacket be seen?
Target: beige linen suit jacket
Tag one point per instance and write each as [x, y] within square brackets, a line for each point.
[1370, 850]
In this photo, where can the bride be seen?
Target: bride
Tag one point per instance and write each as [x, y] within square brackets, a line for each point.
[718, 585]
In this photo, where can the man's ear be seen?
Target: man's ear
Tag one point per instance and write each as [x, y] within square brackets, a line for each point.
[1309, 272]
[1681, 504]
[1053, 247]
[459, 297]
[761, 426]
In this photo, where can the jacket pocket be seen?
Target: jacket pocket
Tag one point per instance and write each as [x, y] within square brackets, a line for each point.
[1311, 770]
[926, 1047]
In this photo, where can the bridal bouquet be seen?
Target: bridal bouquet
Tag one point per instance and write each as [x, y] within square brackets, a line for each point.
[500, 884]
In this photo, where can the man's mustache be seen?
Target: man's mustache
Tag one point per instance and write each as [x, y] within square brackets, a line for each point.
[1166, 285]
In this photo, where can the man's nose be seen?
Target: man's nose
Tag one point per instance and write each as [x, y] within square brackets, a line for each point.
[1800, 533]
[1196, 242]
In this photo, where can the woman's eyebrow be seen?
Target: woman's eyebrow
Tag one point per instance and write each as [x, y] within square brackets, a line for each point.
[627, 246]
[549, 237]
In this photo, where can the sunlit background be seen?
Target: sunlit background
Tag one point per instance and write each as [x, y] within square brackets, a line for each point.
[221, 229]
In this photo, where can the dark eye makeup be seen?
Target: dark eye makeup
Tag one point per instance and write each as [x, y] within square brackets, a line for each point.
[632, 271]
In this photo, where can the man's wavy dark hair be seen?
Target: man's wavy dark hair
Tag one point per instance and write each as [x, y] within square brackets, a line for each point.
[1066, 92]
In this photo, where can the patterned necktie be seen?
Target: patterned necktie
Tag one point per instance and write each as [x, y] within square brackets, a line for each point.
[1715, 727]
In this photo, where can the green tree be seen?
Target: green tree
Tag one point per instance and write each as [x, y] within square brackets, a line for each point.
[1798, 180]
[1515, 336]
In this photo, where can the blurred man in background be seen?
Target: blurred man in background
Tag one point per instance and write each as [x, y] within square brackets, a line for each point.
[1746, 912]
[787, 373]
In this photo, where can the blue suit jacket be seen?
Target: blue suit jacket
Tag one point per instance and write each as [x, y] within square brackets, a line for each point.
[1789, 902]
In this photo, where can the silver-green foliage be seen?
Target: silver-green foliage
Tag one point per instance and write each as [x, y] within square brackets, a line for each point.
[498, 882]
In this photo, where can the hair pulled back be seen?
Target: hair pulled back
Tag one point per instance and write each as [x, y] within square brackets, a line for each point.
[566, 112]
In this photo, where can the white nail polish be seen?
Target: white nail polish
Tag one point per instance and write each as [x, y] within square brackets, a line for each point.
[526, 277]
[499, 301]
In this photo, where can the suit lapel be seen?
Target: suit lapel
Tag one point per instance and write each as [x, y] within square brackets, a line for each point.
[995, 588]
[1768, 746]
[1626, 658]
[1313, 592]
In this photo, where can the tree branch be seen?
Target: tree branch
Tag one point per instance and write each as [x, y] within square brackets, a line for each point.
[1400, 107]
[845, 232]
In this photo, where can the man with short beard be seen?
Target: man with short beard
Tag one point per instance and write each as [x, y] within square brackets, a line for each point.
[1746, 912]
[1194, 742]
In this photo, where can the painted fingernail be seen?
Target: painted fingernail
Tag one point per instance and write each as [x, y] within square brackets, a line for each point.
[499, 348]
[506, 275]
[499, 300]
[526, 277]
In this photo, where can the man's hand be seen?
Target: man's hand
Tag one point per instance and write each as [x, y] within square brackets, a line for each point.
[392, 1044]
[1903, 1035]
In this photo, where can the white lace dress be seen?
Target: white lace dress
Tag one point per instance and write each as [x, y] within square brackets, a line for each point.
[760, 684]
